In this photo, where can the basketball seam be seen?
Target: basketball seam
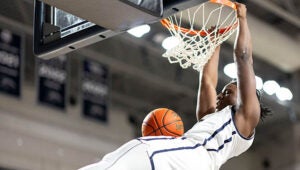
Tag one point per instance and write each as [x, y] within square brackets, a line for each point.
[156, 121]
[169, 123]
[165, 125]
[153, 130]
[172, 122]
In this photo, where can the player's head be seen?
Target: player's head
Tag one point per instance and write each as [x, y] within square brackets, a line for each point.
[228, 96]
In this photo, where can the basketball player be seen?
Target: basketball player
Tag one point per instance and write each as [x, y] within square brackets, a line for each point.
[225, 127]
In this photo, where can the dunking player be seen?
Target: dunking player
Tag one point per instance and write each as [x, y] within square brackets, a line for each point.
[225, 127]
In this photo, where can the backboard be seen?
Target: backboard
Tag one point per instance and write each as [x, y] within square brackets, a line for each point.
[61, 26]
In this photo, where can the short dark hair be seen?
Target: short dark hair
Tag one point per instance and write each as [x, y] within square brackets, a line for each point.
[264, 111]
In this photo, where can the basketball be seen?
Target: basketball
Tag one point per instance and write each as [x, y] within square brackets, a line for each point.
[162, 122]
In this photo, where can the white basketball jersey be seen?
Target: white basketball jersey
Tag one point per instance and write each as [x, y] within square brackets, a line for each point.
[218, 134]
[208, 145]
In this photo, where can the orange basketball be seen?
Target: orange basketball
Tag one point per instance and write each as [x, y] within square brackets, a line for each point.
[162, 122]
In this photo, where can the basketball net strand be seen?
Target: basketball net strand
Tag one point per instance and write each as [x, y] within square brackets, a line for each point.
[195, 47]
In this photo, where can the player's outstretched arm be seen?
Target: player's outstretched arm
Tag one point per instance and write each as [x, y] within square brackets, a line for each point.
[208, 79]
[248, 108]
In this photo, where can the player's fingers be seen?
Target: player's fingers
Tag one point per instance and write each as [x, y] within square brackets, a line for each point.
[241, 9]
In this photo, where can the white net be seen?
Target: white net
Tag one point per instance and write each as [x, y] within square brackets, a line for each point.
[199, 30]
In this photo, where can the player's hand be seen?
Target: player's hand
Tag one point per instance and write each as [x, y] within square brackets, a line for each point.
[213, 32]
[212, 29]
[241, 10]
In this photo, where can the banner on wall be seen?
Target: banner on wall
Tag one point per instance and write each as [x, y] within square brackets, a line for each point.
[95, 90]
[51, 79]
[10, 63]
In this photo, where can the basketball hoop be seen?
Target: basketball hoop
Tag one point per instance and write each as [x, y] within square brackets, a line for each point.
[200, 30]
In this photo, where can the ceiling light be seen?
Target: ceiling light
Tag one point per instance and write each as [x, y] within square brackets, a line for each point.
[139, 31]
[230, 70]
[170, 42]
[284, 94]
[270, 87]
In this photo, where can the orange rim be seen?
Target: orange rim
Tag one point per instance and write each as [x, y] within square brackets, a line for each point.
[166, 23]
[225, 2]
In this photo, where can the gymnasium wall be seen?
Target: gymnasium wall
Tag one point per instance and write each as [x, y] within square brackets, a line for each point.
[34, 137]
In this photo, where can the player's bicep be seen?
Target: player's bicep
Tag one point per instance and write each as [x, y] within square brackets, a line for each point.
[246, 120]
